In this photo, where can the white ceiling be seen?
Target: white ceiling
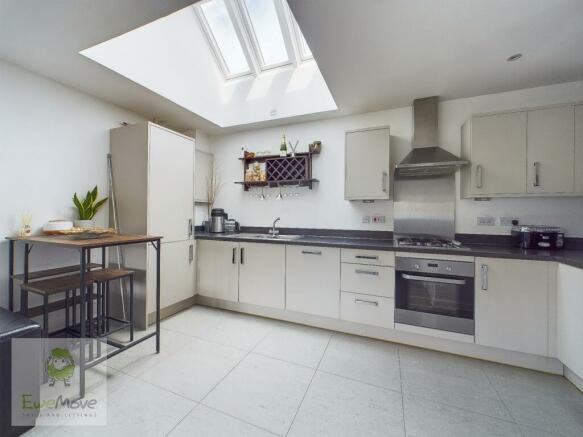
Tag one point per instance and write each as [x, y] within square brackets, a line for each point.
[378, 54]
[373, 54]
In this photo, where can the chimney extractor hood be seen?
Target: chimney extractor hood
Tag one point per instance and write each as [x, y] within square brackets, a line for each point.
[426, 158]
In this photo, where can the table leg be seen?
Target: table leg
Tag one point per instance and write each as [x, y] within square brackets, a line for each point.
[24, 295]
[11, 275]
[131, 308]
[82, 325]
[158, 250]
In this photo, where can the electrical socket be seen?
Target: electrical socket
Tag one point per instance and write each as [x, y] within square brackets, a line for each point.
[486, 221]
[507, 221]
[378, 219]
[366, 218]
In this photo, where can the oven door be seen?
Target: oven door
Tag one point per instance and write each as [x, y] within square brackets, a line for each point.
[435, 301]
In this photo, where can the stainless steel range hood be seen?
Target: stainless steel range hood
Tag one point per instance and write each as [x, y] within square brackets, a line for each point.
[427, 158]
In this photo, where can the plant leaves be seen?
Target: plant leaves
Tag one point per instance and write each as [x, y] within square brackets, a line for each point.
[87, 201]
[79, 206]
[97, 206]
[94, 194]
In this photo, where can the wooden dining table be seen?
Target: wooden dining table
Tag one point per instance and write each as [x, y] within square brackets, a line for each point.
[83, 247]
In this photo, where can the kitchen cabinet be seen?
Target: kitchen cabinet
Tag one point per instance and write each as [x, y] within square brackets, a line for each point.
[569, 320]
[511, 305]
[367, 164]
[551, 150]
[368, 279]
[177, 274]
[579, 148]
[495, 145]
[262, 274]
[368, 310]
[202, 172]
[313, 280]
[370, 257]
[153, 174]
[218, 269]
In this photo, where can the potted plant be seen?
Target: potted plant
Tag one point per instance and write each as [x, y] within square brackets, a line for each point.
[87, 208]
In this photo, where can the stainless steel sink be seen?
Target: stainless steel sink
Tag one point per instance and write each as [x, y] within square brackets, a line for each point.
[269, 237]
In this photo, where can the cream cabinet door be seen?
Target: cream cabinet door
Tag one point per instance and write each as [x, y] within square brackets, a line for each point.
[218, 269]
[569, 320]
[313, 280]
[177, 274]
[367, 164]
[170, 185]
[511, 309]
[551, 150]
[262, 274]
[579, 148]
[498, 154]
[203, 165]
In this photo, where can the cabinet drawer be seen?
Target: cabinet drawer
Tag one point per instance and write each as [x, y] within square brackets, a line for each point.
[373, 257]
[374, 280]
[360, 308]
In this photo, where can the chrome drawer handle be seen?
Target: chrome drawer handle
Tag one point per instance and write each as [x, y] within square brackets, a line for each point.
[366, 257]
[366, 302]
[478, 176]
[484, 277]
[366, 272]
[311, 252]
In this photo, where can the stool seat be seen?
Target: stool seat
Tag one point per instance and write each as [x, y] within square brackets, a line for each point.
[109, 274]
[55, 285]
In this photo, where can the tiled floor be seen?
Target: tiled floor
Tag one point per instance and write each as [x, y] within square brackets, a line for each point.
[228, 374]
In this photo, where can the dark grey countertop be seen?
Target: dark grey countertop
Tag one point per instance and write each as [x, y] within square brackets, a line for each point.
[569, 257]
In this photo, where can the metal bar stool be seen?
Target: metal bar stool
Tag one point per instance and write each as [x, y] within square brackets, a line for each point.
[103, 279]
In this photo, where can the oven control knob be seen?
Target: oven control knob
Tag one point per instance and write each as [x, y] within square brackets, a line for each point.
[417, 266]
[448, 268]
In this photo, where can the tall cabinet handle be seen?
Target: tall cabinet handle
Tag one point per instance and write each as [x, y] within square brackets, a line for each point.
[484, 277]
[242, 258]
[478, 176]
[190, 228]
[234, 255]
[536, 182]
[191, 253]
[384, 182]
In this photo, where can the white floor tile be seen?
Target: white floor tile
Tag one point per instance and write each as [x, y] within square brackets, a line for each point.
[371, 361]
[427, 418]
[195, 321]
[262, 391]
[141, 357]
[452, 380]
[335, 406]
[295, 343]
[206, 422]
[195, 370]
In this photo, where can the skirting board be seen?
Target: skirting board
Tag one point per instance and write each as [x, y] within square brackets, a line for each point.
[519, 359]
[172, 309]
[574, 378]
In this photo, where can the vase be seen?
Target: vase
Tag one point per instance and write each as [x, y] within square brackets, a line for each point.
[85, 224]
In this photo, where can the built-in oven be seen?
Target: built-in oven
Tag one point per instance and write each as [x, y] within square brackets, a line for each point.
[436, 294]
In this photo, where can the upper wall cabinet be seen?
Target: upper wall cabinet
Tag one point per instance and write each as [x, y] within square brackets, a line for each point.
[203, 165]
[550, 150]
[523, 153]
[368, 164]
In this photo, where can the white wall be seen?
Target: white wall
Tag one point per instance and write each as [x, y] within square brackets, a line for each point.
[325, 207]
[53, 141]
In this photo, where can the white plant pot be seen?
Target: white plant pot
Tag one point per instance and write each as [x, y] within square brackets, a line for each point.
[85, 224]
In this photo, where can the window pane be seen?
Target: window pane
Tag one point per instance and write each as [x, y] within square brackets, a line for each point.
[267, 29]
[221, 26]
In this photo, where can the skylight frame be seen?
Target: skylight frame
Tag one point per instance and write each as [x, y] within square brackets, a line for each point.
[252, 38]
[217, 52]
[298, 35]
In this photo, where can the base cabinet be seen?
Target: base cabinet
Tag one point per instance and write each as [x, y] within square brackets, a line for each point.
[218, 269]
[569, 318]
[313, 280]
[262, 274]
[512, 305]
[368, 310]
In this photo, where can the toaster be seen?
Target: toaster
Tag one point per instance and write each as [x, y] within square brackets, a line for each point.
[538, 237]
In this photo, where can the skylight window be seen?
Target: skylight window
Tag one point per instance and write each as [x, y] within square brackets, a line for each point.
[265, 28]
[224, 38]
[250, 36]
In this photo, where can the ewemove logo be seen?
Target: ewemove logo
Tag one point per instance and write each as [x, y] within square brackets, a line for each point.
[46, 384]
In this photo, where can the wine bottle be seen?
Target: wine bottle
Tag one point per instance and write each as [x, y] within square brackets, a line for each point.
[283, 147]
